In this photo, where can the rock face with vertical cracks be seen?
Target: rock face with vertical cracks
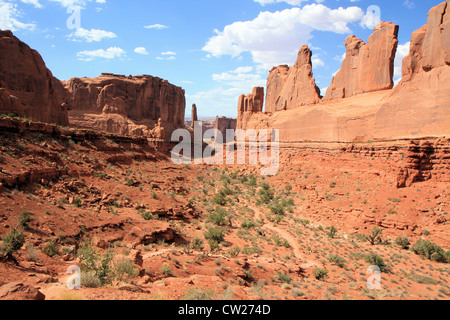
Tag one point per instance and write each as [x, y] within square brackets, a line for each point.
[420, 104]
[291, 87]
[125, 105]
[366, 67]
[27, 87]
[249, 105]
[360, 104]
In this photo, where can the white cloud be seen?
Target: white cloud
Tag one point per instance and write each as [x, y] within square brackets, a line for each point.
[316, 61]
[92, 35]
[402, 52]
[410, 4]
[219, 100]
[273, 38]
[240, 78]
[168, 56]
[73, 3]
[372, 17]
[156, 26]
[168, 53]
[141, 50]
[35, 3]
[9, 15]
[291, 2]
[223, 98]
[110, 53]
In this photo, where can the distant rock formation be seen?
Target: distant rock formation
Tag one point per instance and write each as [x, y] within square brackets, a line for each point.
[250, 104]
[125, 105]
[288, 88]
[366, 67]
[223, 124]
[28, 87]
[194, 115]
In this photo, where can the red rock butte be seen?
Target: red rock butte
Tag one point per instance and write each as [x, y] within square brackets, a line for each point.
[125, 105]
[361, 104]
[27, 88]
[113, 103]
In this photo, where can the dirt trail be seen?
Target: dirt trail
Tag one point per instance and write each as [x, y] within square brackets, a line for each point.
[287, 236]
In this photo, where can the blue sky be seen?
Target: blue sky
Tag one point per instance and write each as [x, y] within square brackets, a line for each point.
[214, 49]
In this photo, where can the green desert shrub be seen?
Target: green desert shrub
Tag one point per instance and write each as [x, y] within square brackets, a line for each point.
[12, 242]
[376, 260]
[320, 274]
[402, 242]
[429, 250]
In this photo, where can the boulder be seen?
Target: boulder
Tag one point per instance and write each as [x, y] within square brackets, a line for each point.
[20, 291]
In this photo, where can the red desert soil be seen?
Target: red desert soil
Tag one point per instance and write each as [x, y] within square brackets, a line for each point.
[100, 194]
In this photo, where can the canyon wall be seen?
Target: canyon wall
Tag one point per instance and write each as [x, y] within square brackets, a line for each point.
[27, 88]
[366, 67]
[420, 104]
[112, 103]
[125, 105]
[360, 104]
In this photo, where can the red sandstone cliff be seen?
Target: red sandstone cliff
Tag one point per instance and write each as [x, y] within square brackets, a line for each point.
[419, 106]
[125, 105]
[27, 87]
[288, 88]
[366, 67]
[249, 105]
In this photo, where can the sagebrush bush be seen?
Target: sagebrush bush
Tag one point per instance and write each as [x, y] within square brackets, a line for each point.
[12, 242]
[320, 274]
[403, 242]
[197, 244]
[219, 217]
[51, 248]
[125, 270]
[376, 260]
[376, 236]
[90, 280]
[429, 250]
[215, 234]
[24, 219]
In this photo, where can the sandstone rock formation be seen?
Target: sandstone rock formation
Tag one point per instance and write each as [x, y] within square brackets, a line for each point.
[29, 88]
[223, 124]
[194, 115]
[125, 105]
[420, 104]
[366, 67]
[288, 88]
[250, 104]
[19, 291]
